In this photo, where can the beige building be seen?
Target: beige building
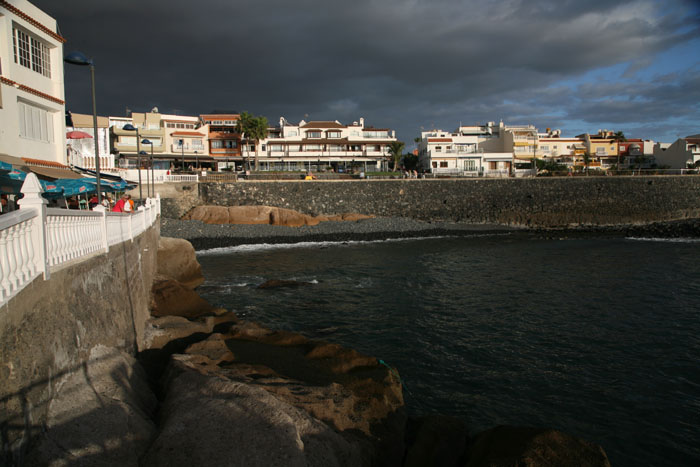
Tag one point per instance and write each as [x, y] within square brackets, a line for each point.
[32, 108]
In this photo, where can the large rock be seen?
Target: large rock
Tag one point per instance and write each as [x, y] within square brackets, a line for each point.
[207, 419]
[100, 414]
[172, 298]
[533, 447]
[177, 260]
[262, 215]
[351, 393]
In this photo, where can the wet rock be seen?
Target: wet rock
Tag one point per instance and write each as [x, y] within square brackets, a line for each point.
[172, 298]
[177, 261]
[210, 420]
[533, 447]
[255, 215]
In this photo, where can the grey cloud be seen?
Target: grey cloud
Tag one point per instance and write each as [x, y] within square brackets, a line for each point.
[396, 62]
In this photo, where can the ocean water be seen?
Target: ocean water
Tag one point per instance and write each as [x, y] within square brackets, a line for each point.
[599, 338]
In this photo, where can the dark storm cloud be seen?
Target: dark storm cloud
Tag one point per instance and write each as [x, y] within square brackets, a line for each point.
[399, 63]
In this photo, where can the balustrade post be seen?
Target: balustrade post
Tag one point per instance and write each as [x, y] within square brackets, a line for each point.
[103, 225]
[32, 199]
[142, 210]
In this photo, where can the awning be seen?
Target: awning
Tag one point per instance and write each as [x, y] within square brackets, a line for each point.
[43, 172]
[50, 172]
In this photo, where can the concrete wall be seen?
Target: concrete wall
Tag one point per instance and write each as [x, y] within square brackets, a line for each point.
[539, 201]
[48, 330]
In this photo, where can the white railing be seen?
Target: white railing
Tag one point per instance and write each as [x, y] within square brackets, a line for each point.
[36, 239]
[180, 178]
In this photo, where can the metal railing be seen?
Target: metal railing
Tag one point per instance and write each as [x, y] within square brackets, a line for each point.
[35, 239]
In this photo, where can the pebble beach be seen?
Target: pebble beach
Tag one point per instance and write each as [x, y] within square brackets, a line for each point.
[205, 236]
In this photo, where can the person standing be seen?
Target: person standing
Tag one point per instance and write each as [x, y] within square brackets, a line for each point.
[120, 204]
[129, 205]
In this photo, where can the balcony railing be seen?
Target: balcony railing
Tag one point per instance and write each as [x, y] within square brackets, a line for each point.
[35, 239]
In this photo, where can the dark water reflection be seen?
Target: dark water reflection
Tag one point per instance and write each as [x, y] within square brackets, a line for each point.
[599, 338]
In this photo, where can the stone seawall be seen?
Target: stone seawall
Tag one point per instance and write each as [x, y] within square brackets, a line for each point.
[93, 309]
[543, 202]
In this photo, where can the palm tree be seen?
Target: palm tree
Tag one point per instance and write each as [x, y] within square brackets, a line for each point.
[396, 151]
[619, 137]
[586, 160]
[252, 128]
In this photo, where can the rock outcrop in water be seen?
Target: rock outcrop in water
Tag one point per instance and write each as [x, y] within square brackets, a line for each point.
[262, 215]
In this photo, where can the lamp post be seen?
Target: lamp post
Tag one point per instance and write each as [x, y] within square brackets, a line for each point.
[152, 193]
[77, 58]
[130, 127]
[182, 146]
[196, 159]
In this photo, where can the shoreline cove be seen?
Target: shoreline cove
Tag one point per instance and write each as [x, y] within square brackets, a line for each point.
[213, 236]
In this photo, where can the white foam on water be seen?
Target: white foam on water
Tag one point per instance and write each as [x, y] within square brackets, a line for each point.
[281, 246]
[664, 240]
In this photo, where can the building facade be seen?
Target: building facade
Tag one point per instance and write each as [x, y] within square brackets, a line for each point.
[323, 146]
[223, 142]
[81, 150]
[681, 154]
[32, 107]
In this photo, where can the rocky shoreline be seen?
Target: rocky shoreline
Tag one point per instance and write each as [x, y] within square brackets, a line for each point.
[254, 396]
[206, 236]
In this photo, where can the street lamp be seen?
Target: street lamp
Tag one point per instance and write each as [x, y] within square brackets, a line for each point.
[196, 159]
[78, 58]
[153, 187]
[130, 127]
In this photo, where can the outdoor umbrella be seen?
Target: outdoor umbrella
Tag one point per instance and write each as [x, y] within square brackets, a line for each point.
[15, 178]
[77, 134]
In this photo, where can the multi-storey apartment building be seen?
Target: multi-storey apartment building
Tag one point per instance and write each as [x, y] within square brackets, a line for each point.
[565, 151]
[224, 142]
[681, 154]
[478, 150]
[601, 148]
[127, 144]
[32, 108]
[325, 145]
[185, 142]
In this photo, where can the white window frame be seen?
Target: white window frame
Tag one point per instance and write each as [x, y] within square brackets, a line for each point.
[31, 52]
[35, 123]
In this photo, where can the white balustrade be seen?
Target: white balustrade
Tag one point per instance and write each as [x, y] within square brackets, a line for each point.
[34, 239]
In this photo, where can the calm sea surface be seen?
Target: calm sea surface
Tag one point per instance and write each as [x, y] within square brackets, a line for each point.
[599, 338]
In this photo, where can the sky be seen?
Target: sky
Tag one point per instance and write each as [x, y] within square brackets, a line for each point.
[407, 65]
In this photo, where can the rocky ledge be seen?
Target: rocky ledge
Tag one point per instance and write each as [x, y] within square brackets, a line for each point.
[210, 389]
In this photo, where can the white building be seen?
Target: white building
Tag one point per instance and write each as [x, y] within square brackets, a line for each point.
[320, 145]
[81, 151]
[681, 154]
[32, 108]
[468, 151]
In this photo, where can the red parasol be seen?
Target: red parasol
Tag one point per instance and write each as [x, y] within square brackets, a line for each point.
[75, 134]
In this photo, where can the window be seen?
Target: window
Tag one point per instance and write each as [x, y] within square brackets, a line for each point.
[313, 134]
[434, 165]
[443, 164]
[35, 123]
[438, 148]
[470, 165]
[197, 144]
[333, 134]
[292, 133]
[312, 147]
[275, 147]
[31, 52]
